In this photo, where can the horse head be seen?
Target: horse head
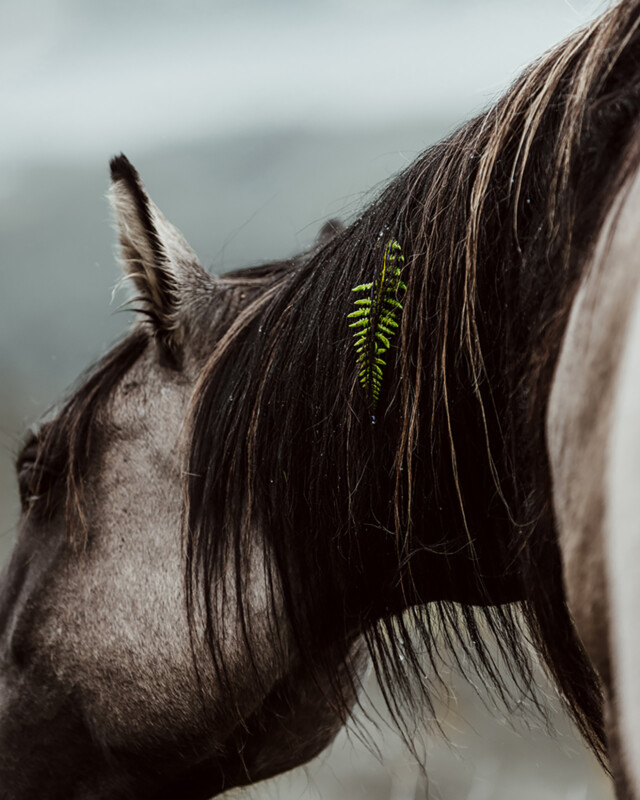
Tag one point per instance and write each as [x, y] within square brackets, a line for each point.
[103, 691]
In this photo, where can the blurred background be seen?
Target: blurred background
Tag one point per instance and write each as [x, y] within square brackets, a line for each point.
[251, 123]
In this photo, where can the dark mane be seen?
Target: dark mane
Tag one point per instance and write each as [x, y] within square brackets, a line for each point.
[447, 497]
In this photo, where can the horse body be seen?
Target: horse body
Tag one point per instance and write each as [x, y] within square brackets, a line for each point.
[583, 420]
[216, 533]
[621, 530]
[592, 444]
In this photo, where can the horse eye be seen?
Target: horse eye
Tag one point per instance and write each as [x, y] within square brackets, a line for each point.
[29, 471]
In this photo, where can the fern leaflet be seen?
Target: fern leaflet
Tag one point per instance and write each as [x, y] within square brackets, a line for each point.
[376, 320]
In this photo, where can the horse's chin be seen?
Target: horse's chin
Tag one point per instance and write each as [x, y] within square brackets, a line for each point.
[45, 743]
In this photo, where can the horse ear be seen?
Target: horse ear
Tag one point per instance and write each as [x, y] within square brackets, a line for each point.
[330, 229]
[163, 267]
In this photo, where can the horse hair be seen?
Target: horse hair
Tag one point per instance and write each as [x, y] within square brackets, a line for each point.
[496, 223]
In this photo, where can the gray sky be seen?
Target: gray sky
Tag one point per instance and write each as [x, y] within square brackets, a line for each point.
[79, 78]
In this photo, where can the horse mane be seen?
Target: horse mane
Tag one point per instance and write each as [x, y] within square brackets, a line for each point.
[496, 223]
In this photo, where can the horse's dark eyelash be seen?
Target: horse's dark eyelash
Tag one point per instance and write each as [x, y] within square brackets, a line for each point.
[34, 486]
[33, 474]
[33, 448]
[28, 455]
[27, 472]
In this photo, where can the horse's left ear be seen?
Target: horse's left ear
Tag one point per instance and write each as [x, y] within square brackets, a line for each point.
[163, 267]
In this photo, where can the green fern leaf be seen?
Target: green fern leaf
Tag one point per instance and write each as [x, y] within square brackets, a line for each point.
[377, 320]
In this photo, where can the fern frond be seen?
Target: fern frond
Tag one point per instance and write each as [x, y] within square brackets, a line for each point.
[376, 318]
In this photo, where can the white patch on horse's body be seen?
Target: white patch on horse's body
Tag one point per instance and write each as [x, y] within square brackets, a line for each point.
[592, 443]
[623, 539]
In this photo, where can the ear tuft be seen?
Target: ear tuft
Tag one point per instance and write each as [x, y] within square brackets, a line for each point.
[155, 256]
[330, 229]
[122, 169]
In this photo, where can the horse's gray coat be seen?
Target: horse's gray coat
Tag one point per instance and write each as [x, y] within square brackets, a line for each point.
[592, 403]
[95, 658]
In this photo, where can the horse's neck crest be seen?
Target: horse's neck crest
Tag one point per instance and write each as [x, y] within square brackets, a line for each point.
[376, 320]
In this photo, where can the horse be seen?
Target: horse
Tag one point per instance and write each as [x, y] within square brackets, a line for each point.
[238, 510]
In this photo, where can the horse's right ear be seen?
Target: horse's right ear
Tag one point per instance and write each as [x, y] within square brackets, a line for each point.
[163, 267]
